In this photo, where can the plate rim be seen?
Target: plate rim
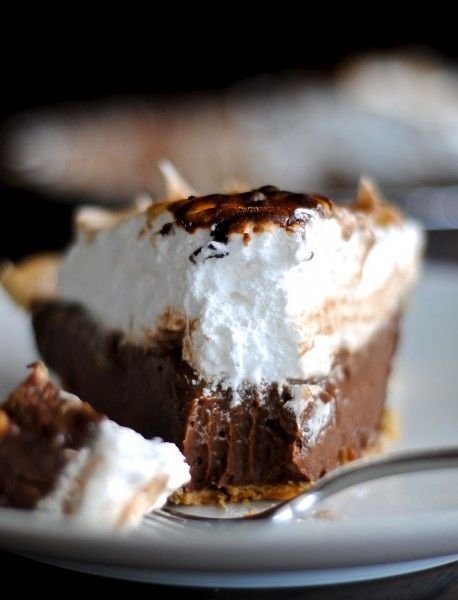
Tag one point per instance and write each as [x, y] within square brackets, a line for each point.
[260, 580]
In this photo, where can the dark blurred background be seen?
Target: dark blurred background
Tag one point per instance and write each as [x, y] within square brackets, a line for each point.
[74, 69]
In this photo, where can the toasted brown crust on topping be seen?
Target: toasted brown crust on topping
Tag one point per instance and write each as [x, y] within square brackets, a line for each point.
[224, 214]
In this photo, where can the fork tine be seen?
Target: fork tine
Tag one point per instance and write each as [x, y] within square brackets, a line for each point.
[332, 483]
[161, 518]
[172, 514]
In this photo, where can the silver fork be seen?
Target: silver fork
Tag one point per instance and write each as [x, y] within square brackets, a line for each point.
[337, 480]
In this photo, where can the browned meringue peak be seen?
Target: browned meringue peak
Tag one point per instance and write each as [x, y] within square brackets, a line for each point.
[369, 199]
[32, 279]
[176, 187]
[89, 220]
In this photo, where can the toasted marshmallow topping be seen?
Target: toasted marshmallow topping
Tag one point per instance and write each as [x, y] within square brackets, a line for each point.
[268, 285]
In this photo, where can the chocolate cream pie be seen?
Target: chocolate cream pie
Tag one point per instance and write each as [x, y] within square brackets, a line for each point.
[58, 454]
[255, 330]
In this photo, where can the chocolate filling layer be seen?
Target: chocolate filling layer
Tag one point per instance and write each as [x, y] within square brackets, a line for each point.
[39, 433]
[257, 441]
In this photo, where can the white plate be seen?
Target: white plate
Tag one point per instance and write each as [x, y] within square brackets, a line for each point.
[379, 529]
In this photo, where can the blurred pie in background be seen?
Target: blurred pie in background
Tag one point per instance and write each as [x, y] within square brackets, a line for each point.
[391, 116]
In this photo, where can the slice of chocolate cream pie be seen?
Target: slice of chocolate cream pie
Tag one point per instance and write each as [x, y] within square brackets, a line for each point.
[58, 454]
[255, 330]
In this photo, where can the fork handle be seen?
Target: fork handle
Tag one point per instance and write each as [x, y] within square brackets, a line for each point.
[362, 471]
